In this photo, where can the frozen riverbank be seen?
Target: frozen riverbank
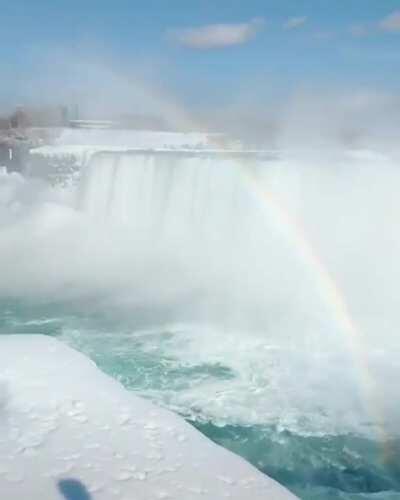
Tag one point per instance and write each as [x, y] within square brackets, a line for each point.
[62, 420]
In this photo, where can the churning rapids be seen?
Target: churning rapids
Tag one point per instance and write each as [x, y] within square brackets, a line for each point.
[259, 299]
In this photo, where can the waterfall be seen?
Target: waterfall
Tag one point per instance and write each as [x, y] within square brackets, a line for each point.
[198, 216]
[172, 195]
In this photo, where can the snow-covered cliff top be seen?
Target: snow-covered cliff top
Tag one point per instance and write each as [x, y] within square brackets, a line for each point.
[64, 420]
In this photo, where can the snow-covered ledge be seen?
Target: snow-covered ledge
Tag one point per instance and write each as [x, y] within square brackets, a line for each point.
[69, 431]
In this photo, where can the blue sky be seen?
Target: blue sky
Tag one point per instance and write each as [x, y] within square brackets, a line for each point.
[206, 49]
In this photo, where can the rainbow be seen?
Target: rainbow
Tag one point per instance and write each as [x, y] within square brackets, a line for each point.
[330, 292]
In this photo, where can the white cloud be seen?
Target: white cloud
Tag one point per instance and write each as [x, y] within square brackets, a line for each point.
[359, 30]
[324, 35]
[215, 36]
[391, 23]
[295, 22]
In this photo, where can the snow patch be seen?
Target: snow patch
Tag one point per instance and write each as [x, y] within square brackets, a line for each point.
[68, 425]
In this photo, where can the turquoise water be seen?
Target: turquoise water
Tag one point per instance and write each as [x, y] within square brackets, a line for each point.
[313, 464]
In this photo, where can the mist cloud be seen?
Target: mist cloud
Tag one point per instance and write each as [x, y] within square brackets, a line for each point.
[215, 36]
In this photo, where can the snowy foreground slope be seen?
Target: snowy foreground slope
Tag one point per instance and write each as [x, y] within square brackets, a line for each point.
[62, 419]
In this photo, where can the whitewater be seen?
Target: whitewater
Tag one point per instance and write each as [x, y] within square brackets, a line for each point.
[255, 296]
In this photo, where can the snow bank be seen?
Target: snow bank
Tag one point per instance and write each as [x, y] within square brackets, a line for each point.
[121, 138]
[82, 142]
[62, 161]
[62, 421]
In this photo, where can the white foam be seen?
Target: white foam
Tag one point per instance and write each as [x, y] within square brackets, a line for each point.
[61, 418]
